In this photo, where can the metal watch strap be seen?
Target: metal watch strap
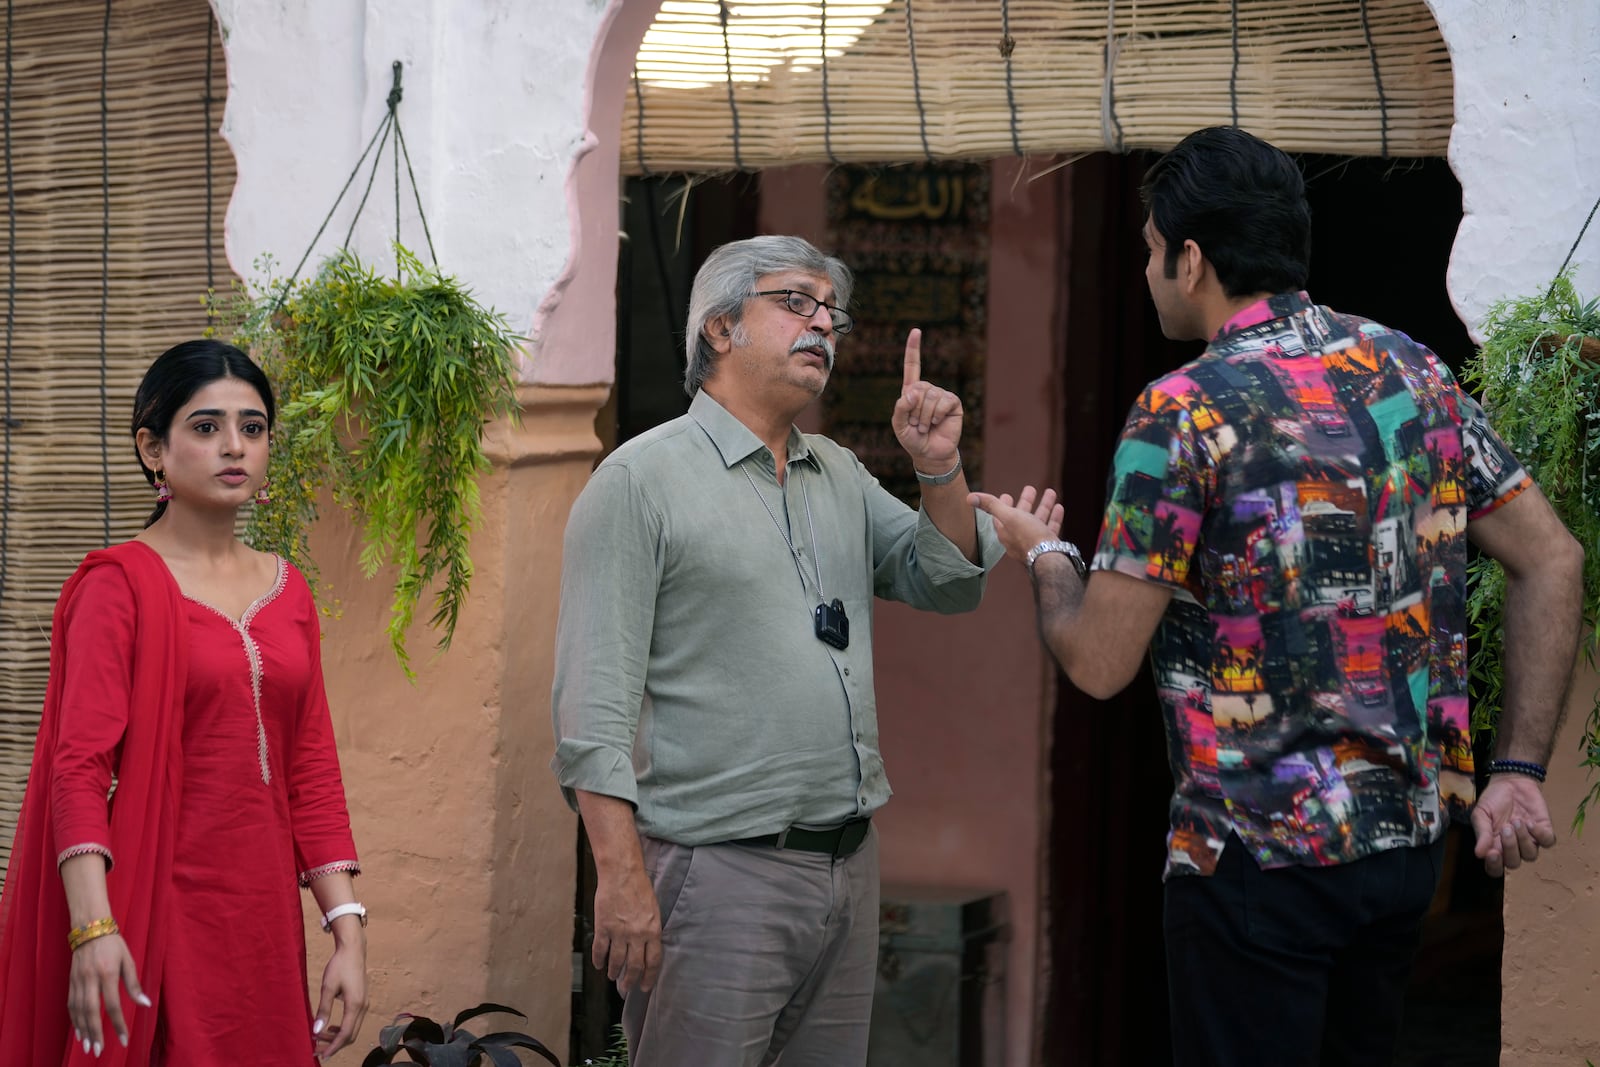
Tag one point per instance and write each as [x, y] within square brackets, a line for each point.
[1066, 548]
[940, 479]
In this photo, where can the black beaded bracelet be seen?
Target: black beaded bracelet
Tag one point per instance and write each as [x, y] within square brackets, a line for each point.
[1518, 766]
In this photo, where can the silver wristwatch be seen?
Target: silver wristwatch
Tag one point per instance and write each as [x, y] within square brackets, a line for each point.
[1066, 548]
[939, 479]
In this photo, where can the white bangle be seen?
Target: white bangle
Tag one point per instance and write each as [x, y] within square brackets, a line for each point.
[341, 910]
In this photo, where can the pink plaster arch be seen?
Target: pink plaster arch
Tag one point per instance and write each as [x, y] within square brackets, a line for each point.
[574, 328]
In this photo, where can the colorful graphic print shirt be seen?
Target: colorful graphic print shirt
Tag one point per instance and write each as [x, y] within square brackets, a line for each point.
[1305, 487]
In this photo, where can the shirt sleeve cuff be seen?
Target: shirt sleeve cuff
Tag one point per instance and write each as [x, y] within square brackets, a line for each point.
[1134, 567]
[594, 768]
[86, 849]
[1510, 490]
[307, 877]
[941, 561]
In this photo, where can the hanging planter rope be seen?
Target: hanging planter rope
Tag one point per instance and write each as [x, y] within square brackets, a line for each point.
[380, 137]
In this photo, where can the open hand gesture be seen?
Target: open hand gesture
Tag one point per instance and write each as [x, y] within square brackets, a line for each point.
[1512, 823]
[1023, 523]
[927, 419]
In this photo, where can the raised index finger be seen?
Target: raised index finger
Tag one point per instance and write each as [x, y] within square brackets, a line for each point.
[913, 358]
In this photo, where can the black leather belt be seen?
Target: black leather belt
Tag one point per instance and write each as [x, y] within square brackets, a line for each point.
[841, 840]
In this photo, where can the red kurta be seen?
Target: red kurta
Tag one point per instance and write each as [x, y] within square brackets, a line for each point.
[258, 802]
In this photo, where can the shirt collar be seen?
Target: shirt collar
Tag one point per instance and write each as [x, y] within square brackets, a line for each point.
[735, 441]
[1279, 306]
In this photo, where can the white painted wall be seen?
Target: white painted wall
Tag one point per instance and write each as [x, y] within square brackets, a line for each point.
[493, 113]
[1526, 144]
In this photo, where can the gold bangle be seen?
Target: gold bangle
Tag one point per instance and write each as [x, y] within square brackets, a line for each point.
[79, 936]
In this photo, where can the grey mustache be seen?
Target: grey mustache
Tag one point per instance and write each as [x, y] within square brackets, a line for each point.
[814, 340]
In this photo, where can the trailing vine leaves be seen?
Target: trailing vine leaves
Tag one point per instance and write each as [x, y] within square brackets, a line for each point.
[385, 386]
[1540, 385]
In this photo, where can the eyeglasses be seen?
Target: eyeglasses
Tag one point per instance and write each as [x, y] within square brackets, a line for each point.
[805, 305]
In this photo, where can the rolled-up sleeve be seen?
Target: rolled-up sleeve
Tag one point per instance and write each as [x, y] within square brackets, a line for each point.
[610, 571]
[913, 562]
[1494, 475]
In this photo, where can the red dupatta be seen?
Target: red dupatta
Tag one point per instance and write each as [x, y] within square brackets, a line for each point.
[35, 963]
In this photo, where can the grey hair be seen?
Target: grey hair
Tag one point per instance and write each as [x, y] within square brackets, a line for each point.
[728, 278]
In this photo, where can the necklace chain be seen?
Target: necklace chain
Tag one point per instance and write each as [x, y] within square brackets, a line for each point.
[794, 553]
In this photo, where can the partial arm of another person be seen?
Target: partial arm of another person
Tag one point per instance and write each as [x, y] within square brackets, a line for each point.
[1098, 631]
[1543, 565]
[609, 574]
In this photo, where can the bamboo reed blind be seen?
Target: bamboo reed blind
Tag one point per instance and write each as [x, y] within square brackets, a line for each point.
[114, 221]
[724, 85]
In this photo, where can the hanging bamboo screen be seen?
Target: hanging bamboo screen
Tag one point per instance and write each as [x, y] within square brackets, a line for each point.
[869, 81]
[114, 222]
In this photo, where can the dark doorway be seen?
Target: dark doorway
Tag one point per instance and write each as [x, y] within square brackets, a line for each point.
[1382, 237]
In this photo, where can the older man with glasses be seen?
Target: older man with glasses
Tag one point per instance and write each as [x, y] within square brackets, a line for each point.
[713, 701]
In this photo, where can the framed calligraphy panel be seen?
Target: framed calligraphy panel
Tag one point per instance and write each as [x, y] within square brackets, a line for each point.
[918, 240]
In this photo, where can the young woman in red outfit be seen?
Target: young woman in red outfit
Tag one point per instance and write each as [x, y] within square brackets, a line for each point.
[164, 927]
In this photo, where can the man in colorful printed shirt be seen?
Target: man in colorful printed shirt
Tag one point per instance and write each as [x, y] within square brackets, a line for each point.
[1287, 531]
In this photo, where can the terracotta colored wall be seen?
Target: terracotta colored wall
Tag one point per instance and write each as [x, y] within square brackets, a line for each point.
[1550, 973]
[963, 701]
[467, 848]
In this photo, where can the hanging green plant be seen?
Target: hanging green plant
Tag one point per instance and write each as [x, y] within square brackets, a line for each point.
[1538, 374]
[385, 387]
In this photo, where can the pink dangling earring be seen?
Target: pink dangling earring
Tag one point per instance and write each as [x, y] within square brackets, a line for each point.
[262, 496]
[163, 490]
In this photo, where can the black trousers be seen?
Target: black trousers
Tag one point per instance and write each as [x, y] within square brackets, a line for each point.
[1294, 966]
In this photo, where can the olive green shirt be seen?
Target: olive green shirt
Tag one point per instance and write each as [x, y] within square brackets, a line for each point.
[689, 678]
